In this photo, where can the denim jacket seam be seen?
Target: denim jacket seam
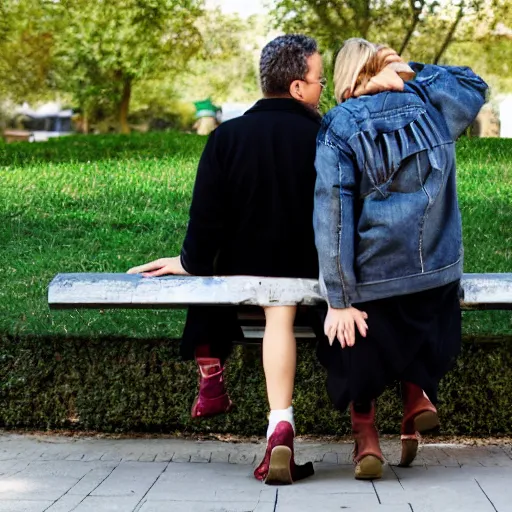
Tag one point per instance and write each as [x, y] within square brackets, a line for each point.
[338, 247]
[427, 81]
[423, 220]
[326, 142]
[398, 112]
[429, 272]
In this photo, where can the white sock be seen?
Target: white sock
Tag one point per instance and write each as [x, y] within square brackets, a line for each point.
[278, 415]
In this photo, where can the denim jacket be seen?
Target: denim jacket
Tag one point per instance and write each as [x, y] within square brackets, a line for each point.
[386, 216]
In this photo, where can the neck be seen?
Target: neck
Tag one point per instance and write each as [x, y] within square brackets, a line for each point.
[277, 96]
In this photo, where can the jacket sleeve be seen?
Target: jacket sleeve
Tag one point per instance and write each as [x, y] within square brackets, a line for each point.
[206, 226]
[457, 92]
[334, 222]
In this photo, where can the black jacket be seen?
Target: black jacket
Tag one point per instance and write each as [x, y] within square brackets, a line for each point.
[252, 206]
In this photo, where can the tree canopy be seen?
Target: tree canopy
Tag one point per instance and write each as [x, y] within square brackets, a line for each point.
[423, 28]
[103, 47]
[103, 56]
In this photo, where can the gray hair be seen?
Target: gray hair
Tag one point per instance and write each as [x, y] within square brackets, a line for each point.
[284, 60]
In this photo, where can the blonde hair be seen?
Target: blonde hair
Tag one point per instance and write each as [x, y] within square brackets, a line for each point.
[355, 65]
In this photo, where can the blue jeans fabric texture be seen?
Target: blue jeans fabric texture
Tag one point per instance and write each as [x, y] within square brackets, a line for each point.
[386, 215]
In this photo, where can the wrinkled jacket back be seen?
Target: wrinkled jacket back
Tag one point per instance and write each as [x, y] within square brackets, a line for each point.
[387, 220]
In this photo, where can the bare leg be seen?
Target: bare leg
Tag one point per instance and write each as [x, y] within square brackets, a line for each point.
[279, 361]
[279, 355]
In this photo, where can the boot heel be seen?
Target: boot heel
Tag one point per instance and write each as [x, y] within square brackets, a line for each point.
[409, 452]
[426, 421]
[368, 468]
[279, 472]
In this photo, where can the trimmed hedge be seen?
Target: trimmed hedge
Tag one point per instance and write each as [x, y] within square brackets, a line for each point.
[119, 385]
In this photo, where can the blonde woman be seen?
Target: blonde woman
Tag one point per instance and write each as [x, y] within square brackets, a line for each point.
[388, 234]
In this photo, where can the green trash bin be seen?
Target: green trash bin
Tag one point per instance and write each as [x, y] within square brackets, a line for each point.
[206, 108]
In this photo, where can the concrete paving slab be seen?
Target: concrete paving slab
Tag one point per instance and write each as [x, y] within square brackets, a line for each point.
[330, 479]
[110, 504]
[166, 506]
[23, 506]
[497, 489]
[59, 474]
[25, 487]
[337, 502]
[66, 503]
[92, 480]
[130, 479]
[214, 485]
[437, 488]
[164, 456]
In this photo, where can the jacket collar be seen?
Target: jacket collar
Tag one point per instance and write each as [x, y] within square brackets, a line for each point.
[284, 104]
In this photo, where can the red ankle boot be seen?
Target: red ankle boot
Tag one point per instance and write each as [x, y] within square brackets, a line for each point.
[367, 453]
[420, 415]
[278, 466]
[212, 398]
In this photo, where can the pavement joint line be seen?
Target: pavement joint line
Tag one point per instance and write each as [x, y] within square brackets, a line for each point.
[142, 455]
[60, 497]
[375, 489]
[8, 475]
[276, 500]
[89, 493]
[141, 501]
[445, 454]
[485, 494]
[505, 452]
[397, 477]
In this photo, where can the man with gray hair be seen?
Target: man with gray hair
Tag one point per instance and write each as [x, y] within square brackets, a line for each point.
[251, 214]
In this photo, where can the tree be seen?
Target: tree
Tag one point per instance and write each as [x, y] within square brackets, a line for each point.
[103, 47]
[487, 48]
[226, 66]
[26, 45]
[398, 23]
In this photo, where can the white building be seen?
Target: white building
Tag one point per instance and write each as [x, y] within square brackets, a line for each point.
[47, 121]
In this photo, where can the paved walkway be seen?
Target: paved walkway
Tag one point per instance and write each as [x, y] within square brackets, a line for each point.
[60, 474]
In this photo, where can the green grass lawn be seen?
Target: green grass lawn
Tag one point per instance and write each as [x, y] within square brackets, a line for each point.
[106, 203]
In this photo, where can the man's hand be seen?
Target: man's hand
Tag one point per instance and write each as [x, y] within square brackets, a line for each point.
[340, 323]
[161, 267]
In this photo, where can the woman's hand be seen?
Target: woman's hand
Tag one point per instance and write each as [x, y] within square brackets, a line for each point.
[161, 267]
[340, 323]
[389, 57]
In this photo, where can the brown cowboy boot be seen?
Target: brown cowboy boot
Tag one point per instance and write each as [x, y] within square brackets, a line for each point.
[212, 398]
[278, 467]
[420, 415]
[367, 454]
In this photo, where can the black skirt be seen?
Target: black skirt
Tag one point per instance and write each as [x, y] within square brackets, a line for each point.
[215, 326]
[414, 338]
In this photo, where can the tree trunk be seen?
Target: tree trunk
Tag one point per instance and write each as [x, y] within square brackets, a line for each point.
[415, 20]
[124, 106]
[85, 123]
[366, 19]
[449, 36]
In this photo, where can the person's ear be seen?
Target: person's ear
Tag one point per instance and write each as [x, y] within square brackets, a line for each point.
[296, 90]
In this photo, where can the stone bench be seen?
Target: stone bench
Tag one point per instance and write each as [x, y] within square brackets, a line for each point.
[123, 291]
